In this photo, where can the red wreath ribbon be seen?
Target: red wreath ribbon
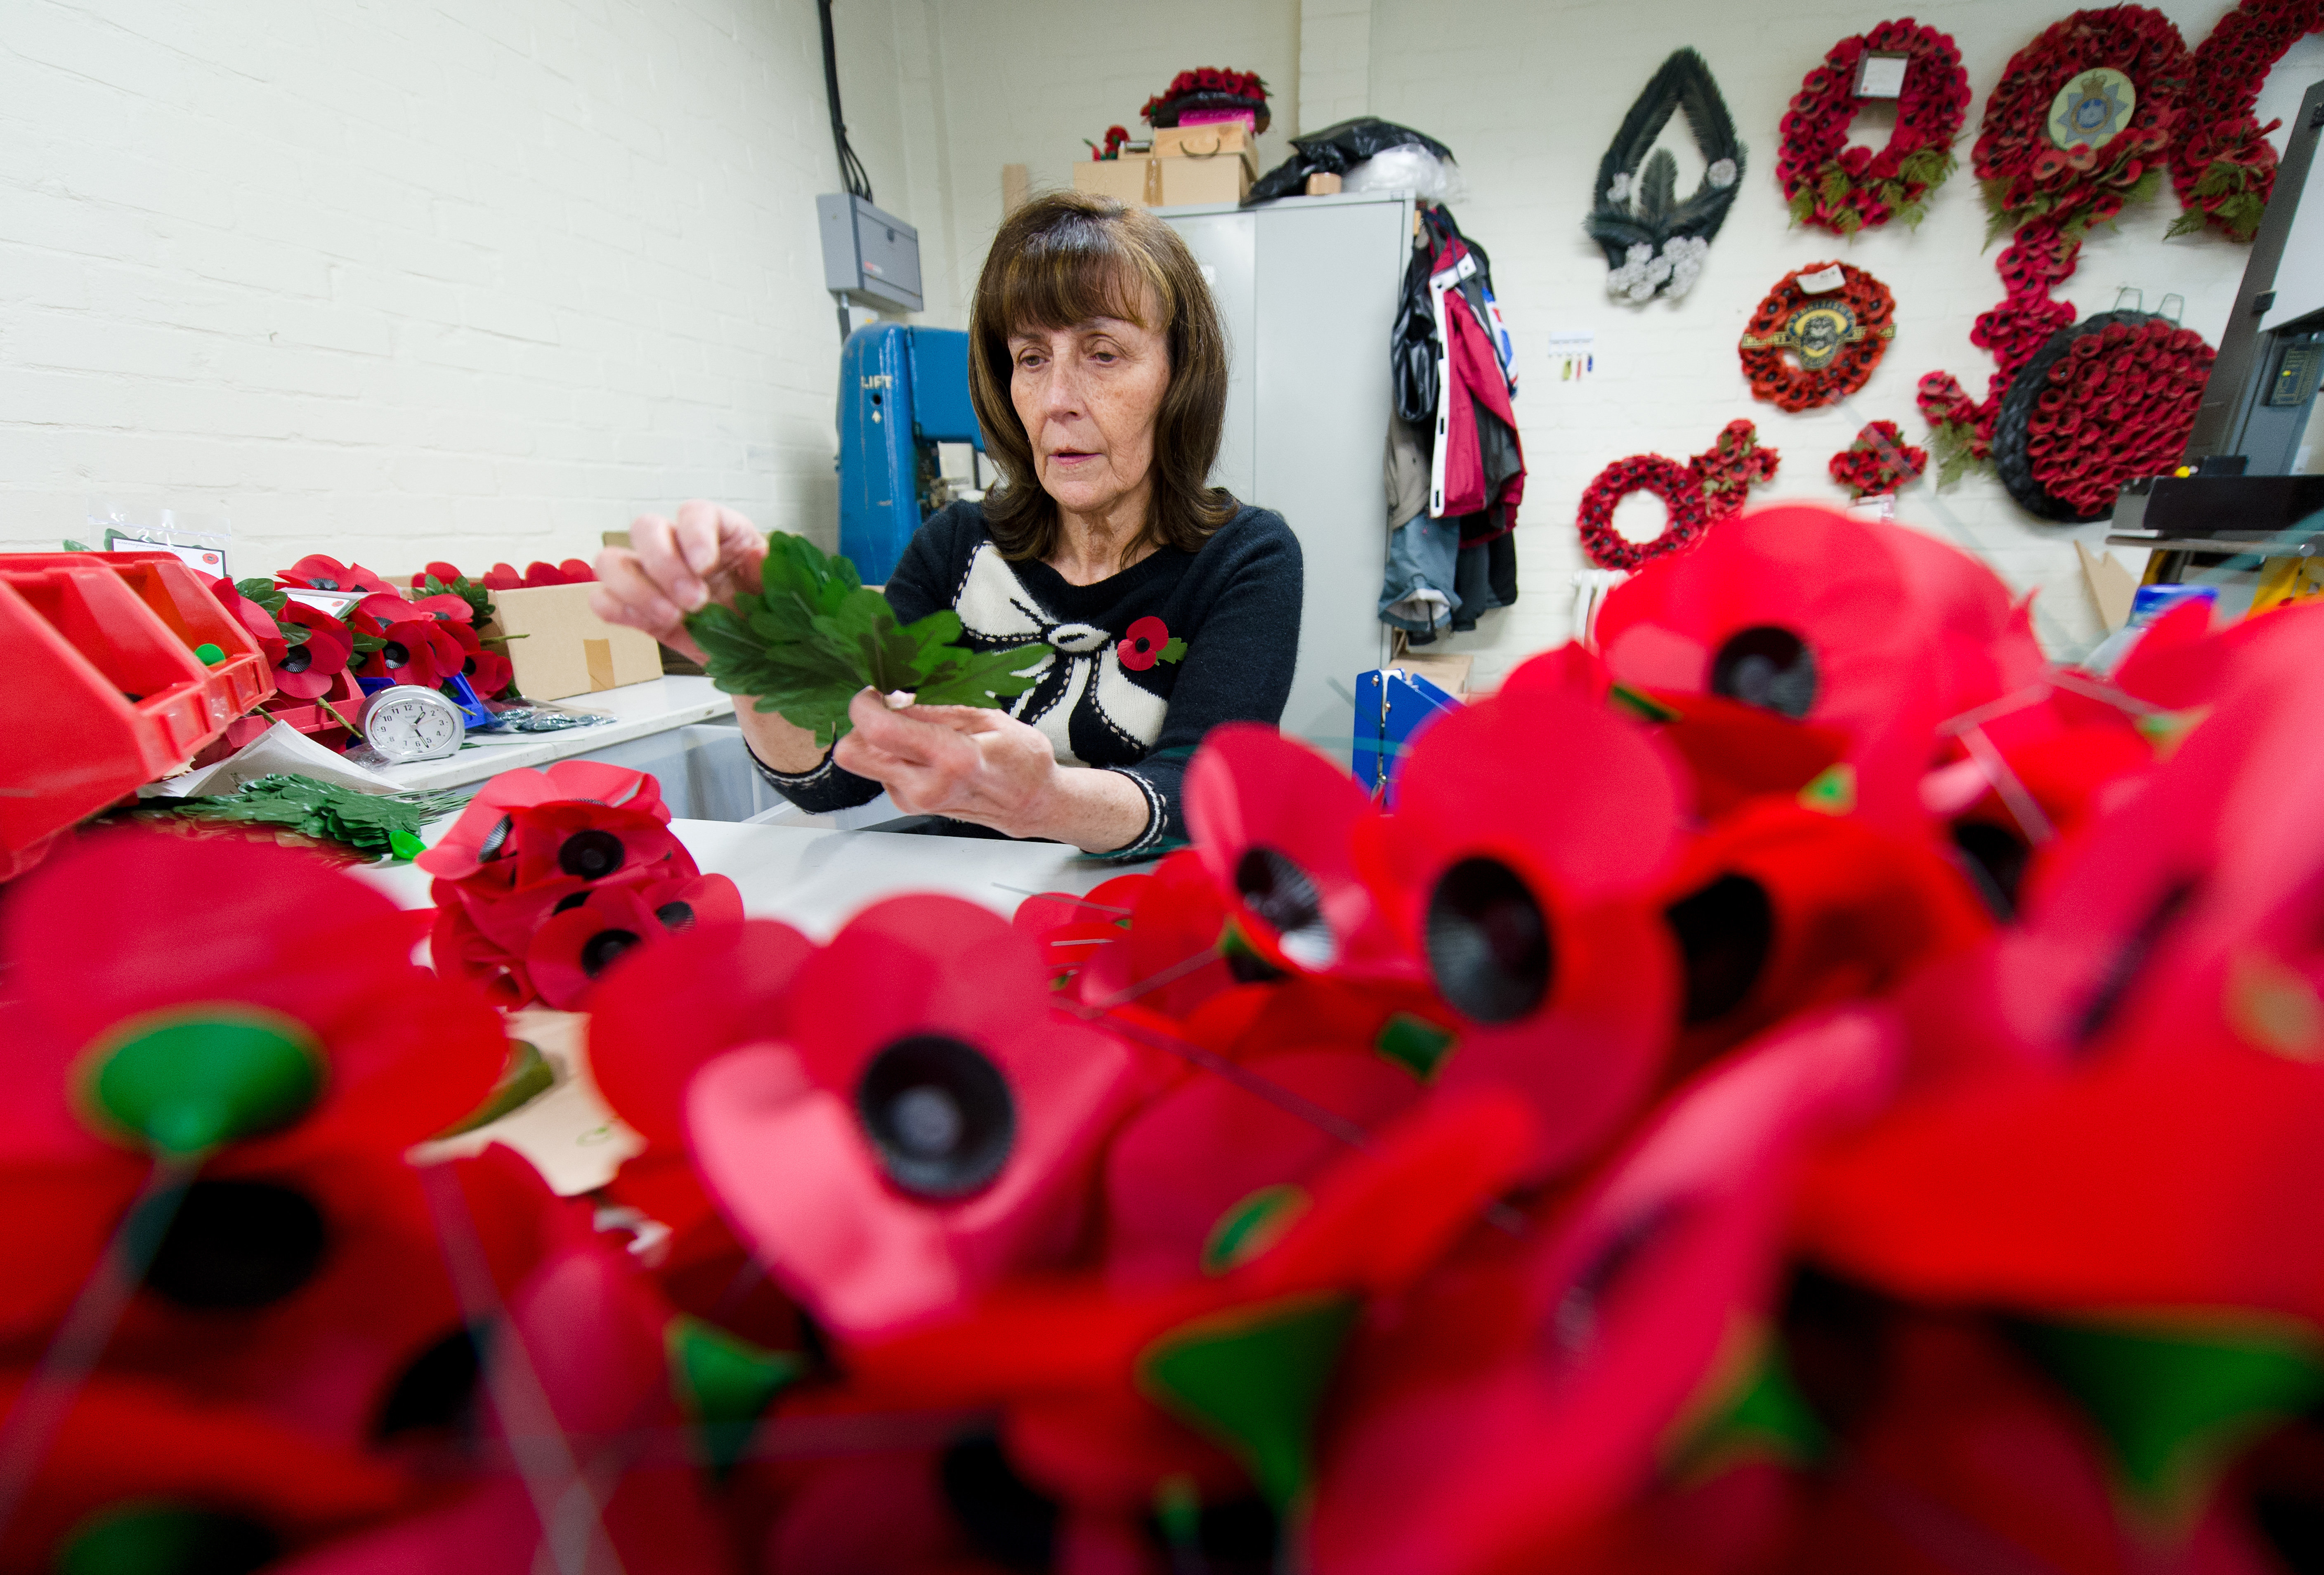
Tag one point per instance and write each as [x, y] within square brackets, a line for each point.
[2223, 168]
[1707, 489]
[1880, 461]
[1843, 189]
[2119, 405]
[2026, 176]
[1794, 386]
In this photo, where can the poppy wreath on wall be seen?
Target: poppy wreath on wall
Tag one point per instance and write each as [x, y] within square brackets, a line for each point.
[2075, 130]
[1653, 243]
[1817, 335]
[2105, 402]
[2223, 168]
[1834, 187]
[1707, 489]
[1879, 462]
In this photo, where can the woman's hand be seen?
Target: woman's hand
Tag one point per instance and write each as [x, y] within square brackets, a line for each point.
[709, 553]
[987, 766]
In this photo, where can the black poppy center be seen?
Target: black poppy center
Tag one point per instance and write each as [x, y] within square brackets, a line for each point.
[676, 916]
[939, 1113]
[321, 584]
[234, 1245]
[467, 666]
[297, 659]
[394, 654]
[1725, 931]
[1488, 942]
[1284, 898]
[590, 854]
[436, 1389]
[600, 950]
[569, 901]
[1766, 666]
[1996, 862]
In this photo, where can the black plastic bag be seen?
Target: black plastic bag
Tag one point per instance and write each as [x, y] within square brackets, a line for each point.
[1336, 150]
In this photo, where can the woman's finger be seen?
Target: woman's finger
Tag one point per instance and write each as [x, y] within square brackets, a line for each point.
[700, 527]
[622, 579]
[655, 542]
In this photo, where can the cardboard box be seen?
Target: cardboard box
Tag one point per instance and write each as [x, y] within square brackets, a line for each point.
[1320, 184]
[1224, 178]
[1130, 178]
[1207, 141]
[560, 647]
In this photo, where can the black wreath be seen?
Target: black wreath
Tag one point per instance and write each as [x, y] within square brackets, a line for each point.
[2011, 458]
[1652, 214]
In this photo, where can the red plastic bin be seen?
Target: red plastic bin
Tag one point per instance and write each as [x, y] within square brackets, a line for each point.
[100, 689]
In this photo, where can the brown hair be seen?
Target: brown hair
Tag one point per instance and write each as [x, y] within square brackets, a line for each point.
[1062, 259]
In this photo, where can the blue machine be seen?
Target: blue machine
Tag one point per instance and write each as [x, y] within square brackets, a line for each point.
[902, 391]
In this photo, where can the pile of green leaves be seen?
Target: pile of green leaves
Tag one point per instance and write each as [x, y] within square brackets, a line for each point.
[814, 638]
[370, 822]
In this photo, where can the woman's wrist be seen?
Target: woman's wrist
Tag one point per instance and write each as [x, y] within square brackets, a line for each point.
[1096, 811]
[779, 745]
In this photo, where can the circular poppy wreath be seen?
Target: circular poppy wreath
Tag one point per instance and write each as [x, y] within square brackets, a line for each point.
[2106, 400]
[1837, 334]
[1843, 189]
[2081, 119]
[1679, 486]
[2223, 168]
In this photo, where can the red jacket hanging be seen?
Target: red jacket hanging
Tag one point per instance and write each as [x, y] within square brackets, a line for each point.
[1479, 464]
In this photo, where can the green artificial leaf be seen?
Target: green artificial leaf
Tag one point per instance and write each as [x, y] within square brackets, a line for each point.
[266, 594]
[1832, 187]
[1848, 221]
[2146, 186]
[72, 546]
[2189, 221]
[813, 638]
[1803, 205]
[2242, 213]
[372, 823]
[481, 610]
[1174, 651]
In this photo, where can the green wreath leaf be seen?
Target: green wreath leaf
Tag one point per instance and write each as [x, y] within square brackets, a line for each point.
[813, 638]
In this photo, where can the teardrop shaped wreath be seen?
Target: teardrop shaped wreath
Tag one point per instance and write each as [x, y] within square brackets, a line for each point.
[1817, 335]
[1654, 244]
[1843, 189]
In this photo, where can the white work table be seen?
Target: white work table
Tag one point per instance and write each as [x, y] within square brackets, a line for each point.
[818, 879]
[638, 710]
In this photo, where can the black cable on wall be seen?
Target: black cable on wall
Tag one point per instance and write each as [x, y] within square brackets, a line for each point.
[850, 168]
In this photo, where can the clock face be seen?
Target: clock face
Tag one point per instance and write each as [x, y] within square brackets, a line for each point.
[418, 726]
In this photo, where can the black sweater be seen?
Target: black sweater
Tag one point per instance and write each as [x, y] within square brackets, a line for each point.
[1137, 706]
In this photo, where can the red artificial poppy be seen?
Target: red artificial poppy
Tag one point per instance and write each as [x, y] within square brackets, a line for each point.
[573, 949]
[503, 576]
[481, 836]
[1275, 824]
[255, 619]
[1522, 1394]
[316, 572]
[487, 671]
[306, 671]
[298, 964]
[1176, 920]
[1815, 617]
[924, 1125]
[1070, 930]
[444, 607]
[441, 572]
[1143, 643]
[1780, 910]
[1536, 909]
[416, 652]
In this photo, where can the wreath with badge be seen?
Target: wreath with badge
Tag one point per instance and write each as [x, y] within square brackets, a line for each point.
[1817, 335]
[1834, 187]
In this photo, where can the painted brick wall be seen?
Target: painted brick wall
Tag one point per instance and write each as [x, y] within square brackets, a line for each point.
[406, 282]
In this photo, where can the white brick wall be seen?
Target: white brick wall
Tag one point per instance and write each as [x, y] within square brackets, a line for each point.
[402, 282]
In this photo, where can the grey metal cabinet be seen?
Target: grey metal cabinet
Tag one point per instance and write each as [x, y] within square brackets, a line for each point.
[1308, 289]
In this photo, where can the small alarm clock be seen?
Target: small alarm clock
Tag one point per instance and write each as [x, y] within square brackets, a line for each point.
[405, 722]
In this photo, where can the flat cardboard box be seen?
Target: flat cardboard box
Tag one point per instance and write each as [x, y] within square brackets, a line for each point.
[1130, 178]
[1191, 180]
[561, 648]
[1207, 141]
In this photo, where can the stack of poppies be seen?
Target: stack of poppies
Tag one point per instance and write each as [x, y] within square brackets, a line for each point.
[1805, 1085]
[1879, 462]
[549, 876]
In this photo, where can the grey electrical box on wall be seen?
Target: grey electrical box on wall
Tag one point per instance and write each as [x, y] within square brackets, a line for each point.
[869, 256]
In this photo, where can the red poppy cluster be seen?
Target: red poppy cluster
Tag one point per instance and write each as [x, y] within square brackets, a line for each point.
[1778, 372]
[2117, 405]
[504, 577]
[1840, 189]
[2223, 166]
[2027, 176]
[548, 877]
[1711, 487]
[1805, 1085]
[2031, 265]
[1206, 88]
[1880, 461]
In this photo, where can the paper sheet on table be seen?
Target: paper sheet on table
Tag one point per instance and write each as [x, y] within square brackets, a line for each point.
[281, 747]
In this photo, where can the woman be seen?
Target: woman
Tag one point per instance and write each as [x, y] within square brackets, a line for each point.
[1099, 373]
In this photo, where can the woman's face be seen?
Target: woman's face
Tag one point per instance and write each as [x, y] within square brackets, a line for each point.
[1088, 396]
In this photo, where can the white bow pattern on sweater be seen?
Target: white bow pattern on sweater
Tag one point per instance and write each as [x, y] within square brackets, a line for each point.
[1084, 673]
